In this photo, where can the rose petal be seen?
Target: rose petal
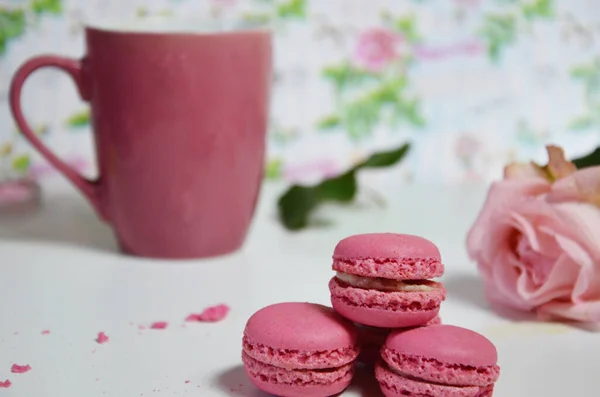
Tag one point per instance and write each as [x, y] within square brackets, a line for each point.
[584, 312]
[543, 215]
[582, 245]
[559, 284]
[583, 185]
[505, 277]
[501, 195]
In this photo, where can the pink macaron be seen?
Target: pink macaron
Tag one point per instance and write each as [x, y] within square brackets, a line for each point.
[382, 280]
[299, 349]
[440, 360]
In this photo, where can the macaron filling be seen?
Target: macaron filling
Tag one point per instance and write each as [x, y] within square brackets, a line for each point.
[385, 284]
[390, 268]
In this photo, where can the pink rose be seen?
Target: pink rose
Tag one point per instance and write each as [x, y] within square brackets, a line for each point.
[537, 240]
[376, 48]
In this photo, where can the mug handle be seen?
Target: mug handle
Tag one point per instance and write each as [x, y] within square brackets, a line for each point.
[74, 68]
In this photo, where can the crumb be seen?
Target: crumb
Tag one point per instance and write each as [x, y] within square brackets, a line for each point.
[20, 369]
[140, 327]
[93, 351]
[210, 314]
[102, 338]
[16, 333]
[187, 381]
[5, 385]
[45, 332]
[159, 325]
[131, 323]
[97, 379]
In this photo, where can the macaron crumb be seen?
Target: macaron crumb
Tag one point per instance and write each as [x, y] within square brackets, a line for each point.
[211, 314]
[20, 369]
[6, 384]
[102, 338]
[159, 325]
[46, 332]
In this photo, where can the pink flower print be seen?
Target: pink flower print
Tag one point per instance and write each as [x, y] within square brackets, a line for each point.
[466, 148]
[376, 48]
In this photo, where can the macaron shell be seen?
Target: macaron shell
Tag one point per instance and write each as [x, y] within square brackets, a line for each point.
[300, 359]
[297, 383]
[300, 326]
[437, 372]
[382, 318]
[445, 343]
[395, 385]
[386, 245]
[385, 309]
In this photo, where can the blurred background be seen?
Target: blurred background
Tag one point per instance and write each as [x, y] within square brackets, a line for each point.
[472, 84]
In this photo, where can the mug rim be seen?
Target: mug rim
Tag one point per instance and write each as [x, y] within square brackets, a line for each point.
[172, 26]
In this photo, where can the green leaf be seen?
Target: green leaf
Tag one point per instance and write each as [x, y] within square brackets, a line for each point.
[47, 6]
[329, 122]
[341, 188]
[292, 9]
[386, 159]
[581, 123]
[345, 75]
[589, 160]
[409, 110]
[538, 9]
[80, 119]
[361, 117]
[408, 28]
[256, 18]
[584, 72]
[298, 203]
[498, 31]
[12, 25]
[274, 169]
[21, 163]
[589, 75]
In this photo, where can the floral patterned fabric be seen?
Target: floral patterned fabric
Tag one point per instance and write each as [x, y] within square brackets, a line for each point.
[473, 84]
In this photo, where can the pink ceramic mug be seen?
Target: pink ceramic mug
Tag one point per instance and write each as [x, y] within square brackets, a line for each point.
[179, 120]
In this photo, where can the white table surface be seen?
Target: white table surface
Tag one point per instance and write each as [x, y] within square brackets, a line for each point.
[59, 270]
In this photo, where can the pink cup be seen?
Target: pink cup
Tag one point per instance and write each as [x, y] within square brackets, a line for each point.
[179, 120]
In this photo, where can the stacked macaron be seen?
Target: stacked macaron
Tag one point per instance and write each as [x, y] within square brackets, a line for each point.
[385, 301]
[383, 280]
